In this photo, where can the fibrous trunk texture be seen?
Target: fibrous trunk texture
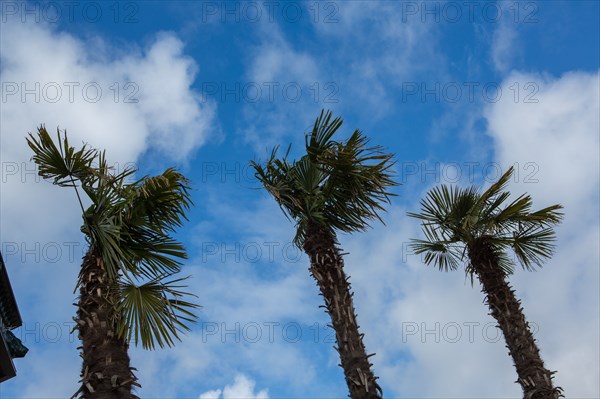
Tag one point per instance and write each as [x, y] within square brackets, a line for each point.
[534, 378]
[106, 373]
[327, 267]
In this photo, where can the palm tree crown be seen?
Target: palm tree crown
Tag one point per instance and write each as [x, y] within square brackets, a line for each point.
[129, 224]
[338, 185]
[454, 219]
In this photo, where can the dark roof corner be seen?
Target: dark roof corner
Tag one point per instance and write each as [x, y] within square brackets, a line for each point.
[10, 346]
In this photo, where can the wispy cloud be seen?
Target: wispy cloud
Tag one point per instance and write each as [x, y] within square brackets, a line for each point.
[291, 87]
[503, 47]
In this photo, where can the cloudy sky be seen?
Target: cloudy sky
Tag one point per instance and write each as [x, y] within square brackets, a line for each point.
[459, 91]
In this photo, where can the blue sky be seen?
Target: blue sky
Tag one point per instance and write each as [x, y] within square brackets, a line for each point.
[459, 91]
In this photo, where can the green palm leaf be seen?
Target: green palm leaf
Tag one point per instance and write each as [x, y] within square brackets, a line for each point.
[154, 313]
[60, 163]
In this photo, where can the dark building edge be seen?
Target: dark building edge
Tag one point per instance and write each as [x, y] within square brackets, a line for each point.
[9, 318]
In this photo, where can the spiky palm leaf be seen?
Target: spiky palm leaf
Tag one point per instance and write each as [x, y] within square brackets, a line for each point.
[153, 313]
[62, 163]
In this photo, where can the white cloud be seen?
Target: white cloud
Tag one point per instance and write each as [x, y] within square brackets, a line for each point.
[214, 394]
[554, 140]
[123, 103]
[277, 59]
[241, 388]
[502, 47]
[38, 367]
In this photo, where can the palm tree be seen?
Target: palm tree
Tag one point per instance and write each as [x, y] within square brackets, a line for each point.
[336, 186]
[459, 222]
[127, 292]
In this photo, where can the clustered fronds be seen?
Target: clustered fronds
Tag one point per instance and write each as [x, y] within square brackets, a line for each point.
[453, 218]
[338, 185]
[129, 224]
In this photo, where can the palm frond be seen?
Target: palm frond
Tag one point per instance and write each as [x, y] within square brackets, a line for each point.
[548, 216]
[444, 255]
[160, 201]
[60, 163]
[358, 183]
[103, 230]
[319, 140]
[496, 188]
[533, 245]
[150, 254]
[499, 220]
[154, 313]
[452, 209]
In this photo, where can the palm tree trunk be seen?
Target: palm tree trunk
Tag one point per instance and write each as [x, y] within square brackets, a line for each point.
[534, 378]
[105, 373]
[327, 267]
